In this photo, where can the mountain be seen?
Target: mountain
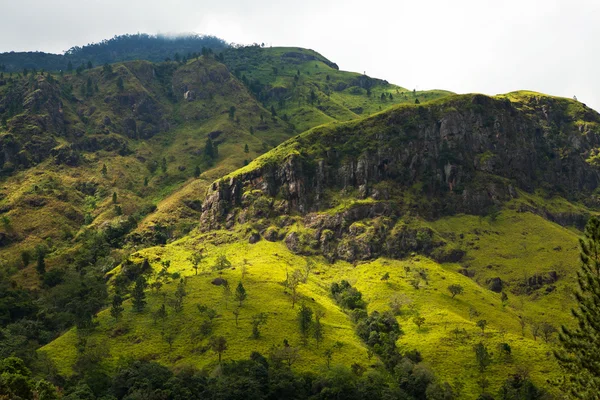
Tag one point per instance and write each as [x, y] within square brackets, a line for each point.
[232, 199]
[155, 48]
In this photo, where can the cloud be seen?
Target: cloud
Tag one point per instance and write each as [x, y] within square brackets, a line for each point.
[464, 45]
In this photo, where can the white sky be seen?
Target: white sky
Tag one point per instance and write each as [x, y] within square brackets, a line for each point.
[484, 46]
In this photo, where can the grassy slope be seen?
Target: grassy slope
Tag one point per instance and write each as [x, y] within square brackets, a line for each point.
[449, 355]
[61, 217]
[339, 95]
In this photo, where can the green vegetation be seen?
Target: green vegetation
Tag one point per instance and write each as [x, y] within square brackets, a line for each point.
[363, 258]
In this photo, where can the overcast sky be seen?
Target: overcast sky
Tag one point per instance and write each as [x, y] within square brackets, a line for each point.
[465, 46]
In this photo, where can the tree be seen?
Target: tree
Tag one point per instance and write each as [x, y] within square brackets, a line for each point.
[482, 356]
[226, 293]
[246, 149]
[455, 289]
[240, 293]
[305, 322]
[236, 314]
[120, 85]
[25, 258]
[329, 353]
[161, 313]
[139, 295]
[232, 112]
[318, 327]
[221, 263]
[40, 266]
[89, 65]
[547, 330]
[308, 267]
[117, 307]
[418, 320]
[180, 293]
[581, 343]
[292, 283]
[104, 170]
[482, 323]
[257, 321]
[197, 172]
[114, 198]
[523, 324]
[209, 149]
[107, 69]
[535, 330]
[218, 345]
[196, 258]
[163, 165]
[170, 339]
[417, 101]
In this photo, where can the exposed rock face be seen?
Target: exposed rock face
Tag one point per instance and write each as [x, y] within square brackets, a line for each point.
[466, 155]
[470, 157]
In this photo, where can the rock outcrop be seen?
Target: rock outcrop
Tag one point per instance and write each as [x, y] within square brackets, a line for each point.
[465, 154]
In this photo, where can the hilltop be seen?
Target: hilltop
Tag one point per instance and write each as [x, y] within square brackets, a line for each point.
[155, 48]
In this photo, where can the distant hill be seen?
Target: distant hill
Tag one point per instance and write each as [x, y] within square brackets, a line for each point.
[139, 46]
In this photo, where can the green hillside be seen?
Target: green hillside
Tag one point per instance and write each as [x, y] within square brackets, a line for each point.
[445, 340]
[260, 224]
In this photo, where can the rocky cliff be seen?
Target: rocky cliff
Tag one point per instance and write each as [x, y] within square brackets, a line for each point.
[464, 154]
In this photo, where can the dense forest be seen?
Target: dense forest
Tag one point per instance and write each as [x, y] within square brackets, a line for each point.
[120, 48]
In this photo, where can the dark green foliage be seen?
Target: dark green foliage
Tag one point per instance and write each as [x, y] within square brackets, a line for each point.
[25, 258]
[117, 307]
[209, 149]
[139, 46]
[520, 387]
[180, 294]
[163, 165]
[305, 322]
[120, 85]
[347, 296]
[240, 293]
[482, 323]
[232, 112]
[114, 198]
[246, 149]
[40, 265]
[258, 320]
[482, 356]
[455, 290]
[218, 345]
[139, 295]
[581, 344]
[196, 173]
[318, 331]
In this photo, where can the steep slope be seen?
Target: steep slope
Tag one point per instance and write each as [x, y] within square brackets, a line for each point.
[135, 129]
[307, 89]
[301, 89]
